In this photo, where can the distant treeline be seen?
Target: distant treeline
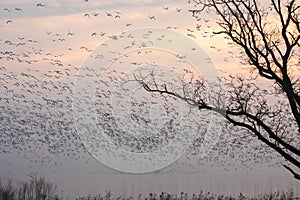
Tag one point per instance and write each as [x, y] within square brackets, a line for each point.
[40, 188]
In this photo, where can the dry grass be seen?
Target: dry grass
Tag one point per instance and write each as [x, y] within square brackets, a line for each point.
[40, 188]
[201, 196]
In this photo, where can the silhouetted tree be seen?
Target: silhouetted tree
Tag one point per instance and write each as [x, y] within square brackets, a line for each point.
[268, 33]
[38, 188]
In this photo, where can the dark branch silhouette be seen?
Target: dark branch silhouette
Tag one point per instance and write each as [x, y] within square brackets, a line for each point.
[269, 39]
[296, 176]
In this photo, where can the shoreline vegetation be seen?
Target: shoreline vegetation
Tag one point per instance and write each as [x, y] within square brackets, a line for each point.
[40, 188]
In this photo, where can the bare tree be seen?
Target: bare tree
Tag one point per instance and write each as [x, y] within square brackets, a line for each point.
[38, 188]
[268, 34]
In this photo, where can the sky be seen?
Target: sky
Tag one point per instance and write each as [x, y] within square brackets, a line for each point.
[56, 56]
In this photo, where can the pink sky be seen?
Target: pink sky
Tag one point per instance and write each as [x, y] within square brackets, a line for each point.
[63, 34]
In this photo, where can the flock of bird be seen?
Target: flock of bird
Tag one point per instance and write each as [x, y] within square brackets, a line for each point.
[36, 96]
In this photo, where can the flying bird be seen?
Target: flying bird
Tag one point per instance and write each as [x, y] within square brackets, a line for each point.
[152, 17]
[48, 33]
[70, 33]
[40, 5]
[194, 12]
[191, 35]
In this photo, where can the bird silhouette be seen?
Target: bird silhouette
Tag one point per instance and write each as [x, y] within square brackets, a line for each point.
[40, 5]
